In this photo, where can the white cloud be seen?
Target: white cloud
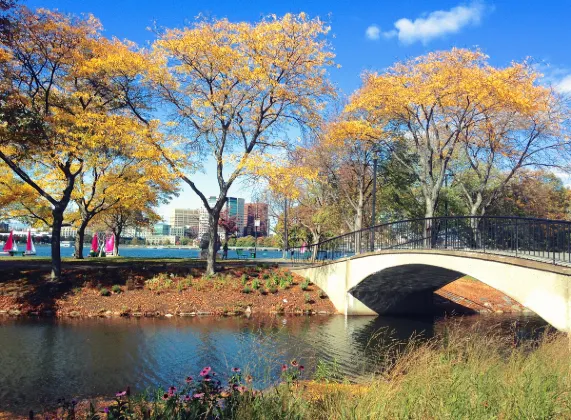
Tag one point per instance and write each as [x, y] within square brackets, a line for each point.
[436, 24]
[373, 32]
[564, 85]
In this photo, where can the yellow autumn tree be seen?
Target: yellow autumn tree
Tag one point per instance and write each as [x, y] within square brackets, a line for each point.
[525, 128]
[116, 178]
[64, 102]
[433, 104]
[135, 210]
[233, 89]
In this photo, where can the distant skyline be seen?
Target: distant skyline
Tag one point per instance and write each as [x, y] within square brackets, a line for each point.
[366, 36]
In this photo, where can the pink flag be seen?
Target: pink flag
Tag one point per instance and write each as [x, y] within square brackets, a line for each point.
[94, 243]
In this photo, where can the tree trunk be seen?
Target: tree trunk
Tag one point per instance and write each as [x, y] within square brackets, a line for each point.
[57, 215]
[429, 224]
[79, 239]
[117, 233]
[213, 218]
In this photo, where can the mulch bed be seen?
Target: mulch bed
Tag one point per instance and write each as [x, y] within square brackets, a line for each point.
[188, 292]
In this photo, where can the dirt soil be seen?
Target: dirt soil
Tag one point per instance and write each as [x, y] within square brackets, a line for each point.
[157, 290]
[476, 296]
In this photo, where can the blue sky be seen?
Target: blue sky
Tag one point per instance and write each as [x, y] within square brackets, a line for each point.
[368, 35]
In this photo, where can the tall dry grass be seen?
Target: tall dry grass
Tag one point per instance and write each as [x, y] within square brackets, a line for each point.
[465, 373]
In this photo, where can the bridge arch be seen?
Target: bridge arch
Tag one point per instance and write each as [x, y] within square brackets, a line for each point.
[402, 281]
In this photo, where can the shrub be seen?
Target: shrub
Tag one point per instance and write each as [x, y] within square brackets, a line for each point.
[104, 292]
[265, 276]
[247, 290]
[322, 294]
[307, 298]
[244, 279]
[304, 285]
[273, 289]
[284, 283]
[255, 284]
[116, 289]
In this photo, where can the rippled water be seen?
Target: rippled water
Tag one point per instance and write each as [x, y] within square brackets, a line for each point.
[43, 360]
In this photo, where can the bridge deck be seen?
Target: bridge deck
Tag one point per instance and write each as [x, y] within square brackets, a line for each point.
[559, 262]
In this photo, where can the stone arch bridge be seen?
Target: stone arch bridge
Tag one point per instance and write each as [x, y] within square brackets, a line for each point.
[395, 268]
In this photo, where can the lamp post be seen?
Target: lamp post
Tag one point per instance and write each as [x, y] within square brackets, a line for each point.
[256, 225]
[374, 206]
[446, 175]
[285, 231]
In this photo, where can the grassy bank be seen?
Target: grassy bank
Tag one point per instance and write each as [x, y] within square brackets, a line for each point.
[463, 373]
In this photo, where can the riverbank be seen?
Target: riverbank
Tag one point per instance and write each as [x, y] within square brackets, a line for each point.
[152, 288]
[463, 372]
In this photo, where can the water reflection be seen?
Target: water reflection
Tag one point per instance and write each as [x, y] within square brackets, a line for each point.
[43, 360]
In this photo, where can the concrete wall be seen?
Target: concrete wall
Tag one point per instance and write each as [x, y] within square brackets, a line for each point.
[393, 277]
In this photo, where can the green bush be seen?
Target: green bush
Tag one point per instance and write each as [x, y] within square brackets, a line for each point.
[322, 294]
[273, 289]
[244, 279]
[304, 285]
[307, 298]
[104, 292]
[247, 289]
[116, 289]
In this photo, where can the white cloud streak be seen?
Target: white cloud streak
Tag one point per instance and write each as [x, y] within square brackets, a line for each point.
[436, 24]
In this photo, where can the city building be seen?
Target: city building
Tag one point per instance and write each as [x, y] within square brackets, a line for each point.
[234, 208]
[184, 231]
[137, 232]
[162, 239]
[68, 232]
[253, 212]
[184, 218]
[162, 228]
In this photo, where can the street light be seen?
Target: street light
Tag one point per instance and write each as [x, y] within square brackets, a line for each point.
[285, 230]
[256, 225]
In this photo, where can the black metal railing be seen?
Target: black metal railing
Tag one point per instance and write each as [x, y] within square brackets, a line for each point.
[540, 239]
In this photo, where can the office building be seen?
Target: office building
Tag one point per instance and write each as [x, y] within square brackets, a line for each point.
[253, 212]
[162, 229]
[185, 217]
[234, 208]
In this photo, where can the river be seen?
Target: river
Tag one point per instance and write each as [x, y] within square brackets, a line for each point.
[144, 252]
[42, 360]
